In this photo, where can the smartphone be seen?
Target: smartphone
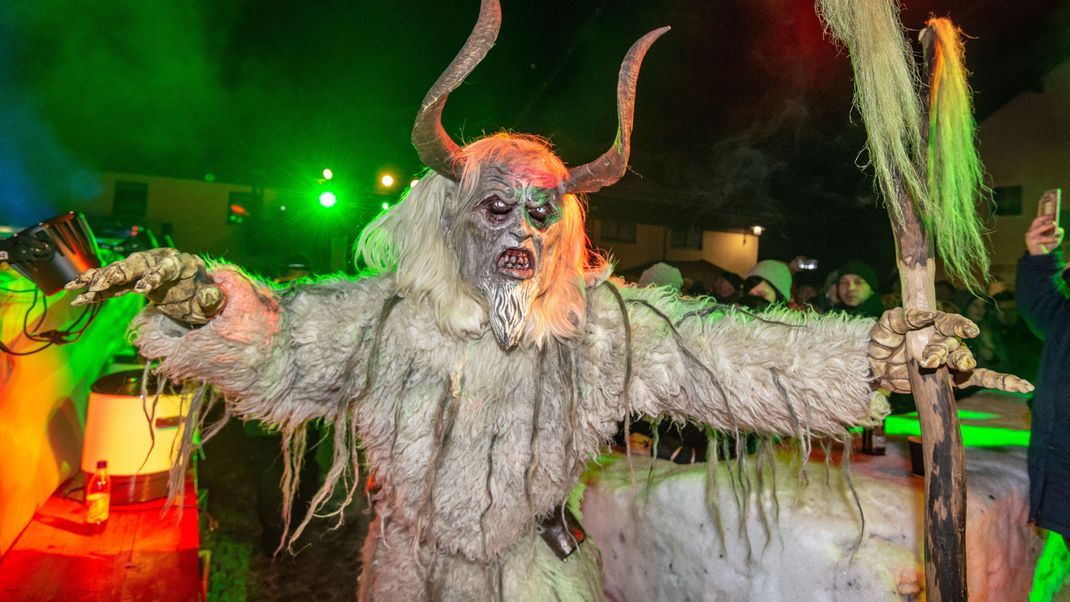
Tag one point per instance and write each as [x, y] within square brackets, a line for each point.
[1049, 204]
[808, 264]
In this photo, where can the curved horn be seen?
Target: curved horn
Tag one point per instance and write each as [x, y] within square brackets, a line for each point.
[610, 167]
[435, 147]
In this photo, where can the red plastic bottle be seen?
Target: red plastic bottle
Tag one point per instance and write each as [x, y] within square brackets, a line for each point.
[98, 498]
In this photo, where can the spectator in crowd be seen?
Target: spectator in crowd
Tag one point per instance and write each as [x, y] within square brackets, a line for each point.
[997, 285]
[662, 274]
[726, 287]
[858, 290]
[828, 297]
[805, 291]
[695, 289]
[766, 283]
[1043, 303]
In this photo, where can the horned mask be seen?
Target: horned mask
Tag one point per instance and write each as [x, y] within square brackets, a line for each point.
[513, 190]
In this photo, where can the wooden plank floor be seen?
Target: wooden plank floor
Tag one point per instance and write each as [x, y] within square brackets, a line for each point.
[143, 554]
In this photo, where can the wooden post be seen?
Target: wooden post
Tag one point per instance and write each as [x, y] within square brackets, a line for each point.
[941, 439]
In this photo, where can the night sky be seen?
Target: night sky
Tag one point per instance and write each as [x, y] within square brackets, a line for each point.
[743, 111]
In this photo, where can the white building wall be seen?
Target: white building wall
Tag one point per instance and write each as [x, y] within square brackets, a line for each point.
[734, 251]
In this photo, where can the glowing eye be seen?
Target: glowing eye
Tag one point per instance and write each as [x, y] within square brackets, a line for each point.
[540, 213]
[498, 206]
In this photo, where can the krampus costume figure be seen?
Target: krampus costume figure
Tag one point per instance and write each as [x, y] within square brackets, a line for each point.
[491, 357]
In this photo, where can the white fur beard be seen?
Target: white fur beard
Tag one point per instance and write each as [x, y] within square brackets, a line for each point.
[508, 312]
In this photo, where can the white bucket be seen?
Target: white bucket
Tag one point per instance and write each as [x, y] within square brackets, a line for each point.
[118, 429]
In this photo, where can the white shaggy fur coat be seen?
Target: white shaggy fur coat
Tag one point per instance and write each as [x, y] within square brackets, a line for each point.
[473, 445]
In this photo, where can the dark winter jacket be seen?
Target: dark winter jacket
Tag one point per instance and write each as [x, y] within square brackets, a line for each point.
[1043, 302]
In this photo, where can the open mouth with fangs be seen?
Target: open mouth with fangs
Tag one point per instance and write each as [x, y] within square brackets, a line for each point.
[517, 263]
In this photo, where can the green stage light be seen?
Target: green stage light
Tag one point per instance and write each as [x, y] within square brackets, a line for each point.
[386, 206]
[973, 435]
[327, 198]
[328, 174]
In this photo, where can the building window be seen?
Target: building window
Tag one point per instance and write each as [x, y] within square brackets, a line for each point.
[618, 230]
[685, 238]
[131, 201]
[1008, 200]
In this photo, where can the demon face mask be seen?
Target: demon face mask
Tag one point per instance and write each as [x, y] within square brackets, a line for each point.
[503, 238]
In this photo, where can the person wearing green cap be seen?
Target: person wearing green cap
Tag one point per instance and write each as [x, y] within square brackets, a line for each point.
[767, 283]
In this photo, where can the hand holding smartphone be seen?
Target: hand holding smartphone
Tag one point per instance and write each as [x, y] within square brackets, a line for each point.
[1044, 234]
[1049, 204]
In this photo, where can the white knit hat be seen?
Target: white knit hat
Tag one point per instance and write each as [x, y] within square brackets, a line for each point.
[661, 274]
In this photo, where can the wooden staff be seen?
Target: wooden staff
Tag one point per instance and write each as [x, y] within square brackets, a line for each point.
[941, 439]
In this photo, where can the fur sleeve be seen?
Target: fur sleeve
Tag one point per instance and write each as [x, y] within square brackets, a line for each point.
[280, 356]
[779, 372]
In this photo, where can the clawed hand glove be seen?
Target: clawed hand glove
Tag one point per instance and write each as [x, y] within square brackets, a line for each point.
[175, 282]
[888, 355]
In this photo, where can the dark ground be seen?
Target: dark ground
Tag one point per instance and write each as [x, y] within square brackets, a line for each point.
[326, 565]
